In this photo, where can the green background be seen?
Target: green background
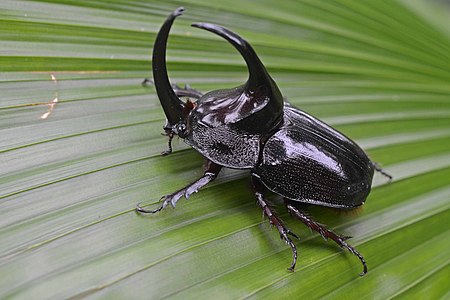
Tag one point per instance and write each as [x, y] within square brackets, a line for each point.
[379, 71]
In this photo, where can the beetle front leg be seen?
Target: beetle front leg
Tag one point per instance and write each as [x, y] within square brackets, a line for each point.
[187, 91]
[212, 170]
[170, 134]
[326, 233]
[275, 220]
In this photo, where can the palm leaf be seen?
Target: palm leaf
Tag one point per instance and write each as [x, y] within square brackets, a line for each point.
[376, 70]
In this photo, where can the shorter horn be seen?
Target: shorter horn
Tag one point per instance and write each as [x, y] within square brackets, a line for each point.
[257, 72]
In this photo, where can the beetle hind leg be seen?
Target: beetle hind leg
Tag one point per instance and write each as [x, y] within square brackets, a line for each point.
[147, 82]
[379, 169]
[212, 170]
[326, 233]
[274, 220]
[187, 91]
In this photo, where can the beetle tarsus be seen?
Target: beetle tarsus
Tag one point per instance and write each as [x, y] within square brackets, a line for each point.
[169, 144]
[292, 234]
[326, 233]
[212, 170]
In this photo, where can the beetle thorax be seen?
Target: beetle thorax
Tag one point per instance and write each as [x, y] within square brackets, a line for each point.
[224, 144]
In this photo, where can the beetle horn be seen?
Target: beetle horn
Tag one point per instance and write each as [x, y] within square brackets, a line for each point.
[259, 80]
[172, 105]
[257, 72]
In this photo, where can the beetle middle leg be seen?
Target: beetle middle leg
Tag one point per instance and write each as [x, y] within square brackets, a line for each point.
[275, 220]
[325, 233]
[212, 170]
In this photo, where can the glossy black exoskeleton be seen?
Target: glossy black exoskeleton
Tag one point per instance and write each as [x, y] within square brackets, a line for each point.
[251, 127]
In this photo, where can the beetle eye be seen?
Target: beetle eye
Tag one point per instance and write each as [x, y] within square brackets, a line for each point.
[182, 130]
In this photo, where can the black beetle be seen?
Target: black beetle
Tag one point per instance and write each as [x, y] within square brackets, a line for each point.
[252, 127]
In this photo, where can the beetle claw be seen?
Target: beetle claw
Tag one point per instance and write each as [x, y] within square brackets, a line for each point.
[293, 234]
[166, 152]
[141, 210]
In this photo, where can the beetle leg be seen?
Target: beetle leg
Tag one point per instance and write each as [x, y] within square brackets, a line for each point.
[326, 233]
[169, 144]
[212, 170]
[147, 82]
[378, 168]
[187, 91]
[275, 220]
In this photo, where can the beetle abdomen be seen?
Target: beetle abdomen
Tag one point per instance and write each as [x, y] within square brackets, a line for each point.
[308, 161]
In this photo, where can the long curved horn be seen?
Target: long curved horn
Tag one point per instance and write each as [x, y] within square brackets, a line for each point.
[259, 79]
[171, 104]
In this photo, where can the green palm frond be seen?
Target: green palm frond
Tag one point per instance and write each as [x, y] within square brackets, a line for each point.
[379, 71]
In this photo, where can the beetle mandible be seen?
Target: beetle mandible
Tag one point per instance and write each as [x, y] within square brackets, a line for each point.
[287, 151]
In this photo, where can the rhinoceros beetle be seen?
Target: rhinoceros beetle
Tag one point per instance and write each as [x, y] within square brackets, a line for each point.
[251, 126]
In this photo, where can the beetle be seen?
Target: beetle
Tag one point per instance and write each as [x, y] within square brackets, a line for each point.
[252, 126]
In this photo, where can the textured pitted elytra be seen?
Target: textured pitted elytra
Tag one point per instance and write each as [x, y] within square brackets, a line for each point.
[225, 146]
